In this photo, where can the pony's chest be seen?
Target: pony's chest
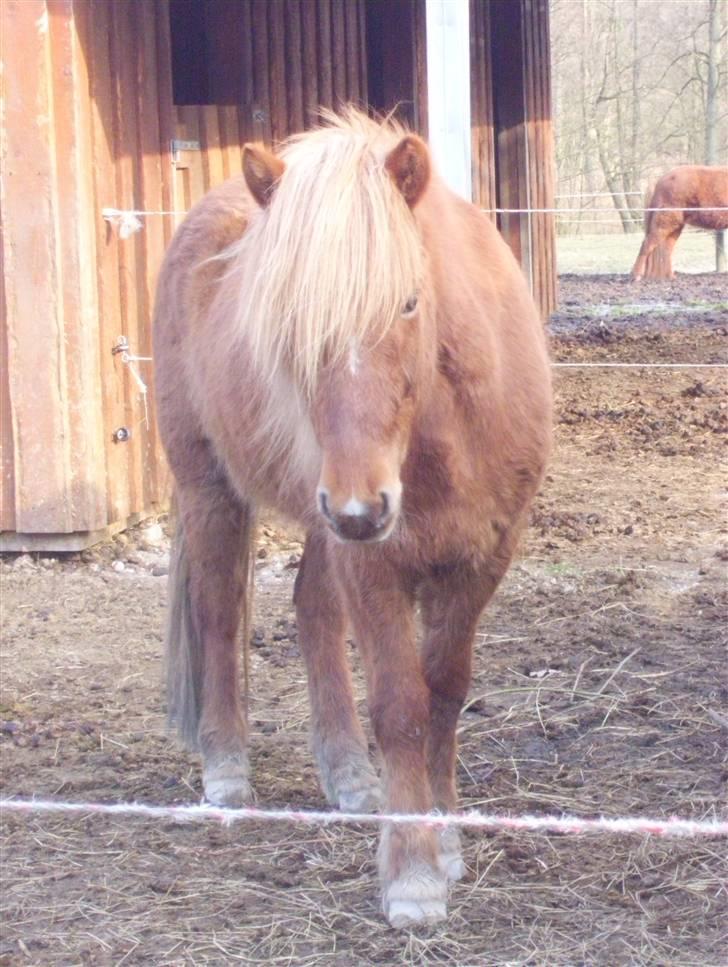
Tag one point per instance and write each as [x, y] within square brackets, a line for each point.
[450, 506]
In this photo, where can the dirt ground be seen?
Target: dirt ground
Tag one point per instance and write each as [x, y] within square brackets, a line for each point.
[600, 688]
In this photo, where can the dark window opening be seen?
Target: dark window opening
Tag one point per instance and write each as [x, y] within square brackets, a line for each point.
[390, 31]
[208, 39]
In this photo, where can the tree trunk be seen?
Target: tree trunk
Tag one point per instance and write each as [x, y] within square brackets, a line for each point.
[711, 111]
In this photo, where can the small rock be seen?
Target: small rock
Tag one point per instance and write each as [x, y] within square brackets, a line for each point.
[152, 535]
[24, 563]
[159, 570]
[118, 566]
[262, 553]
[112, 761]
[9, 728]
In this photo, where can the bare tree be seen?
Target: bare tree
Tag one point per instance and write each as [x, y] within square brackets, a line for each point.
[716, 36]
[639, 88]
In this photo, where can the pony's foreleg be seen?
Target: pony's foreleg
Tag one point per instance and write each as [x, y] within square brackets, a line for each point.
[209, 584]
[337, 738]
[382, 614]
[451, 606]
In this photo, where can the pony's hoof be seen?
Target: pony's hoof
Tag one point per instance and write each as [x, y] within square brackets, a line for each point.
[351, 783]
[418, 898]
[450, 860]
[368, 799]
[227, 785]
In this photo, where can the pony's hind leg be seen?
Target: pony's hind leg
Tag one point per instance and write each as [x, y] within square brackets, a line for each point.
[670, 243]
[337, 738]
[452, 601]
[208, 587]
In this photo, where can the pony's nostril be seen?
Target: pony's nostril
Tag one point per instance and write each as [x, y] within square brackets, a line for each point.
[324, 504]
[385, 504]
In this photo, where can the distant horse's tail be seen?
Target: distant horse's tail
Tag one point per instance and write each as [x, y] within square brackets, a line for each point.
[183, 645]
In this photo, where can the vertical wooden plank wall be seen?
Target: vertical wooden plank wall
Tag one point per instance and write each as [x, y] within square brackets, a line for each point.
[97, 31]
[541, 153]
[396, 54]
[127, 49]
[509, 118]
[524, 177]
[481, 109]
[7, 462]
[87, 103]
[77, 249]
[296, 57]
[33, 265]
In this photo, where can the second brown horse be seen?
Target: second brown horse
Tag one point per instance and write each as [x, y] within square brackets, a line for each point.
[688, 195]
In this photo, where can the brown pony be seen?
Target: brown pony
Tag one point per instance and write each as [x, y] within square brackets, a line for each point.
[338, 336]
[682, 192]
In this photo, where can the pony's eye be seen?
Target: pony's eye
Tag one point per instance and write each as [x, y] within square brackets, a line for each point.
[410, 306]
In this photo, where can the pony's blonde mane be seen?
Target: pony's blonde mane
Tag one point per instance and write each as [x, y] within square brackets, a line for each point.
[334, 257]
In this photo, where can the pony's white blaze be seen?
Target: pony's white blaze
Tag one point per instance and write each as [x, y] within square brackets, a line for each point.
[331, 260]
[354, 359]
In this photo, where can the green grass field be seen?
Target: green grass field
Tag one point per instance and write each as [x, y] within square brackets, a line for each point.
[592, 254]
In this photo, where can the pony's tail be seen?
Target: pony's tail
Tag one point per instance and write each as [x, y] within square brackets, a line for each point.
[183, 644]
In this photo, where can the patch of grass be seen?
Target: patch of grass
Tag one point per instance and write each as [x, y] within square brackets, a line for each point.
[601, 254]
[559, 569]
[641, 309]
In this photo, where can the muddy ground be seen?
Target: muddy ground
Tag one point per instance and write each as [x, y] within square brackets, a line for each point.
[600, 688]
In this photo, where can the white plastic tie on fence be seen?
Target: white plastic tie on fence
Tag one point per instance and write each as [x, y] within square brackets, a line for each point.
[672, 826]
[128, 221]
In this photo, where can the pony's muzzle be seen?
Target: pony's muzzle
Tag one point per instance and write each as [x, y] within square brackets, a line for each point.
[357, 520]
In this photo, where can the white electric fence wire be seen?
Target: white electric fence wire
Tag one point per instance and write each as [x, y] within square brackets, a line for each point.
[672, 826]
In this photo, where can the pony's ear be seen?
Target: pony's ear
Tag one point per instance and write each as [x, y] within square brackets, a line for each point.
[409, 166]
[262, 170]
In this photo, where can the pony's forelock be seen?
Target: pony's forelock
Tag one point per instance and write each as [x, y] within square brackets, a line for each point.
[335, 256]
